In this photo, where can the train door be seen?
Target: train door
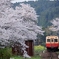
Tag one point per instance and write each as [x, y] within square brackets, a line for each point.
[52, 42]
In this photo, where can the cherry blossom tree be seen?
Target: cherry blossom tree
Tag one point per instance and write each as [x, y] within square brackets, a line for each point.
[55, 24]
[18, 25]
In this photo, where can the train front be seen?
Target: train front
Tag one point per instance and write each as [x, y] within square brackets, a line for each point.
[52, 42]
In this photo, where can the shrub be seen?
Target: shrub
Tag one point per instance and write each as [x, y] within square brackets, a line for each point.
[38, 49]
[5, 53]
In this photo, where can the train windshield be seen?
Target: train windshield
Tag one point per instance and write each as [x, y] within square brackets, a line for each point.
[55, 40]
[48, 40]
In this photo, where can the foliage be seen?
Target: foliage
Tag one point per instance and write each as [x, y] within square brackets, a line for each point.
[39, 48]
[48, 15]
[5, 53]
[47, 10]
[18, 25]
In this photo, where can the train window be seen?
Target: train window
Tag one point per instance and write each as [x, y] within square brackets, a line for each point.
[48, 40]
[55, 40]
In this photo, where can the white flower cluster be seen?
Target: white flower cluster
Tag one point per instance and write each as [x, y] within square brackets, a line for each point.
[55, 24]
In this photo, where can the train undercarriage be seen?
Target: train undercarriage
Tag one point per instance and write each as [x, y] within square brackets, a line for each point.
[53, 49]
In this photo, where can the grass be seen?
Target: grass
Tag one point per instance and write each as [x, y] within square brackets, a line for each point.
[19, 57]
[37, 50]
[5, 53]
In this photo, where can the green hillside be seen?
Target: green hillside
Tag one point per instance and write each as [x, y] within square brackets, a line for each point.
[47, 10]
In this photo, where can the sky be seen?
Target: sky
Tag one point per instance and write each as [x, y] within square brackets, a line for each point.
[13, 1]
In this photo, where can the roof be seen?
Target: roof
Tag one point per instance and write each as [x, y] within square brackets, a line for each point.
[49, 37]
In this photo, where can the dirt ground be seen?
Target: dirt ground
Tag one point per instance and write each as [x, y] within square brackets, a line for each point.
[49, 55]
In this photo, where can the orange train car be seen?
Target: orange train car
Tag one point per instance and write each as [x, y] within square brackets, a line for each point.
[52, 42]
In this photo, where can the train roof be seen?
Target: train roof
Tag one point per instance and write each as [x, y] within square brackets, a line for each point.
[51, 36]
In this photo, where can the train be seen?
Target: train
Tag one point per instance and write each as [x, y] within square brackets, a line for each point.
[52, 43]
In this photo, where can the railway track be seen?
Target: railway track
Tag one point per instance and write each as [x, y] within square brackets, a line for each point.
[53, 55]
[49, 55]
